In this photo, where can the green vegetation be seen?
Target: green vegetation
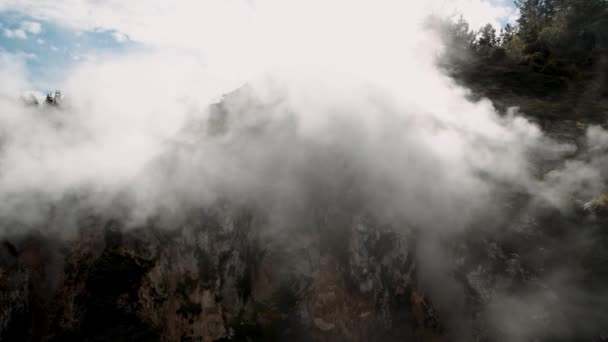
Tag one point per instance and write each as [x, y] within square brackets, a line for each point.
[552, 63]
[553, 36]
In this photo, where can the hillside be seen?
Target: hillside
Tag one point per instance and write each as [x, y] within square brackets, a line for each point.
[338, 272]
[307, 171]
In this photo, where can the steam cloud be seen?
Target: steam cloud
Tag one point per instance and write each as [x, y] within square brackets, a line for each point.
[337, 101]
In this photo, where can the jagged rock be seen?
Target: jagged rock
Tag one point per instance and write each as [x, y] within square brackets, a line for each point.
[598, 205]
[222, 275]
[321, 324]
[215, 278]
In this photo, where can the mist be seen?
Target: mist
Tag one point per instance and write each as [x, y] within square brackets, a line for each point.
[286, 108]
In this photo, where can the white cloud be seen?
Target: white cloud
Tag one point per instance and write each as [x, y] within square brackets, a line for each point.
[239, 38]
[18, 33]
[29, 55]
[120, 37]
[31, 27]
[25, 28]
[481, 12]
[212, 24]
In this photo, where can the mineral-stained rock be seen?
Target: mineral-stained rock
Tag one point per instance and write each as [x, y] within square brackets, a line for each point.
[226, 274]
[220, 276]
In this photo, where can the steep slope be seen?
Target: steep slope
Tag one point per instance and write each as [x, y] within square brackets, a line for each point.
[325, 265]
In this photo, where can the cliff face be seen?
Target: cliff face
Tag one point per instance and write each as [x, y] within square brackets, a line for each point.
[221, 276]
[327, 264]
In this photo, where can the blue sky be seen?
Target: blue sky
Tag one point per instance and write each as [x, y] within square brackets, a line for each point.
[48, 49]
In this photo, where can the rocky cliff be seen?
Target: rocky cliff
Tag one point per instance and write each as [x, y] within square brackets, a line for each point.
[326, 266]
[219, 276]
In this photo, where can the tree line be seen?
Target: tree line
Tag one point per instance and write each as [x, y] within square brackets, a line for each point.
[558, 37]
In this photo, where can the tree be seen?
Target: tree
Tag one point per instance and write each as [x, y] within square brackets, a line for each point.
[562, 31]
[487, 37]
[507, 34]
[461, 33]
[458, 39]
[486, 44]
[534, 15]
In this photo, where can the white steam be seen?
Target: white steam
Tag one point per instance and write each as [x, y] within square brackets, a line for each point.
[368, 66]
[341, 101]
[355, 80]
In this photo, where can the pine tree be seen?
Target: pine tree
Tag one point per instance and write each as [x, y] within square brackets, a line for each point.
[487, 37]
[536, 14]
[507, 34]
